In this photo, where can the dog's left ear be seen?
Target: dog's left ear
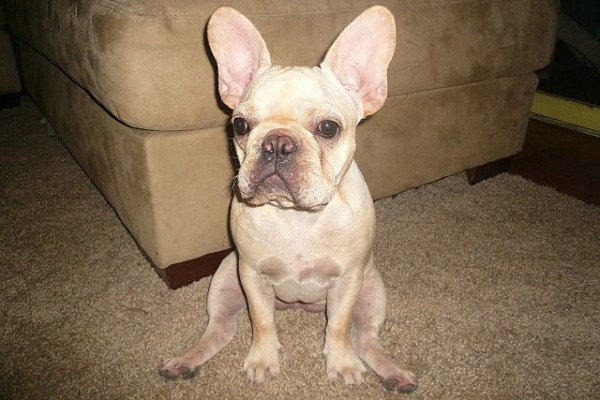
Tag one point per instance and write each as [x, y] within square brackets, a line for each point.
[360, 56]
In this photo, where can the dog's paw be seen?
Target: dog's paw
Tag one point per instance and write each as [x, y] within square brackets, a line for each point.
[402, 382]
[174, 368]
[261, 365]
[345, 367]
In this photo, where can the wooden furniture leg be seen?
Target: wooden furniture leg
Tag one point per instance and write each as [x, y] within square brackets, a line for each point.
[489, 170]
[186, 272]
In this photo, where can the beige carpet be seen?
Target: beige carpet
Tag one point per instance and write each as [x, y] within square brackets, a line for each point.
[494, 293]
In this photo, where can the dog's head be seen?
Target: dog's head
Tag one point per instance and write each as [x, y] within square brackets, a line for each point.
[295, 126]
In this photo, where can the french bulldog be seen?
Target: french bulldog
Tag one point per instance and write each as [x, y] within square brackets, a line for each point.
[302, 219]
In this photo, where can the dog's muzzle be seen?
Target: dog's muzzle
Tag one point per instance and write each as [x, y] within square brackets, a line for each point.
[274, 175]
[280, 174]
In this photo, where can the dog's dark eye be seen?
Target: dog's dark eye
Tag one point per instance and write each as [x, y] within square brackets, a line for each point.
[240, 126]
[328, 128]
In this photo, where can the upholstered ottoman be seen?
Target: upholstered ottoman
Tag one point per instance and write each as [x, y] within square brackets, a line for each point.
[129, 85]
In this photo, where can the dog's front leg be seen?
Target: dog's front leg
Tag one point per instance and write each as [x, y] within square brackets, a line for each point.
[263, 358]
[342, 361]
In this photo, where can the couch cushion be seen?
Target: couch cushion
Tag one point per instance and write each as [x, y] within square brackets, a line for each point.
[146, 61]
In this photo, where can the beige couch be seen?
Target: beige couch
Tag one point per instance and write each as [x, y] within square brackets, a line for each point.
[129, 85]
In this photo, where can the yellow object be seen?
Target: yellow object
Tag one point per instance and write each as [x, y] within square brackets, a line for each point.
[580, 116]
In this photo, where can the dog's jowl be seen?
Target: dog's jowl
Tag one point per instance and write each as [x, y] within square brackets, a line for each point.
[302, 218]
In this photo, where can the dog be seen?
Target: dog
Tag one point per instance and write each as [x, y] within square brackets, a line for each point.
[302, 219]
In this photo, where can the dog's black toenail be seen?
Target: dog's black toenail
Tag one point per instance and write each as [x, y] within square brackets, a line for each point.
[389, 384]
[392, 384]
[187, 373]
[407, 388]
[165, 373]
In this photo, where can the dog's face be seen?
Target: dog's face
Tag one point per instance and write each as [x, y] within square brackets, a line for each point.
[295, 126]
[294, 137]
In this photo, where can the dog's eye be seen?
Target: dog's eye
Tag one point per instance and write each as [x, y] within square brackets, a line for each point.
[240, 126]
[328, 128]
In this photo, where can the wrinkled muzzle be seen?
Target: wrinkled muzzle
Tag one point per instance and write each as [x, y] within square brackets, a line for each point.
[285, 172]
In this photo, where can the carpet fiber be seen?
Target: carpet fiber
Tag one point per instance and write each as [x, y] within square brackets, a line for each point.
[494, 293]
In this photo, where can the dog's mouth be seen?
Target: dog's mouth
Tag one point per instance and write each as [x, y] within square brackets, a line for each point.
[278, 191]
[270, 189]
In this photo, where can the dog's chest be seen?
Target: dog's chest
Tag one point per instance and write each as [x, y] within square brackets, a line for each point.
[299, 278]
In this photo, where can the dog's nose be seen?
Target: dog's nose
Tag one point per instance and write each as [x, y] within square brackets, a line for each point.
[278, 145]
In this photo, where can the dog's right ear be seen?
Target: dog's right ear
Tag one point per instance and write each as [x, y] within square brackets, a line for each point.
[240, 52]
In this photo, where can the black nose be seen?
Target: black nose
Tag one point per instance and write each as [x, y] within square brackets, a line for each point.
[278, 145]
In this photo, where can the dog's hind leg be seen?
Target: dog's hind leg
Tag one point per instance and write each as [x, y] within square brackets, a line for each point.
[367, 318]
[225, 300]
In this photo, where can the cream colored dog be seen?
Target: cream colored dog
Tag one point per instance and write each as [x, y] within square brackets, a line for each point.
[303, 220]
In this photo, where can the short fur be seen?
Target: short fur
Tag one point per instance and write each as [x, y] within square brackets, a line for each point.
[303, 219]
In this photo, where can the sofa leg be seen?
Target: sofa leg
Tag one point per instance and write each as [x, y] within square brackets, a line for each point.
[489, 170]
[10, 100]
[186, 272]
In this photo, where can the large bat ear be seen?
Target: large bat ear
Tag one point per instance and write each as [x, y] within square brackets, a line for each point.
[239, 50]
[360, 57]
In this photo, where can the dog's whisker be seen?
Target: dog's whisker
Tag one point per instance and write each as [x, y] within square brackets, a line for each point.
[234, 184]
[231, 184]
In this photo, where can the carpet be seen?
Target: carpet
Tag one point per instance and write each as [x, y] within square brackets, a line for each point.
[493, 291]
